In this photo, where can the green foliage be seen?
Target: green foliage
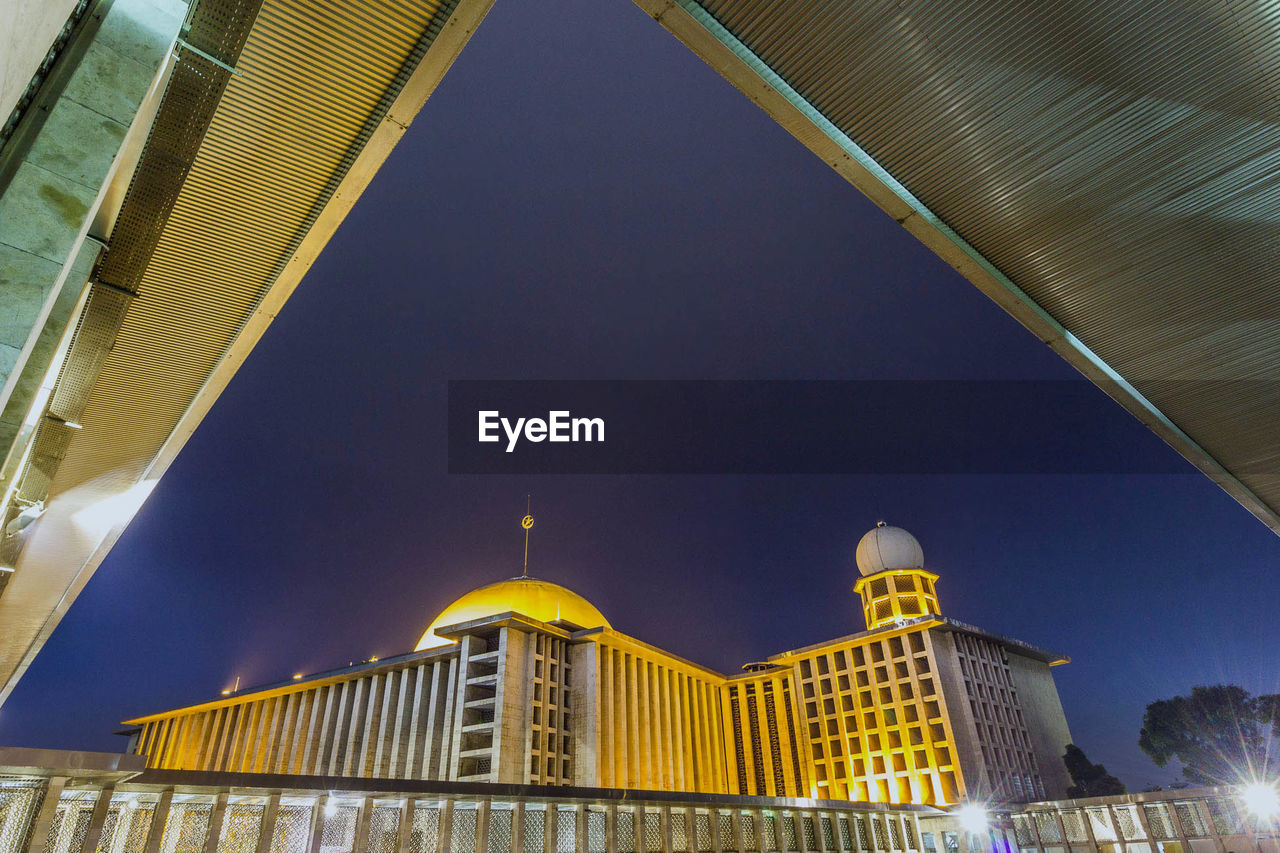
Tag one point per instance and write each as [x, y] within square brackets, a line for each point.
[1219, 734]
[1088, 779]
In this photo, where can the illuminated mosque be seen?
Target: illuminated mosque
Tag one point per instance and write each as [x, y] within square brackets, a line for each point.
[524, 681]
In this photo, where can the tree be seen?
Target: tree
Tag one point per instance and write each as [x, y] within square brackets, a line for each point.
[1088, 779]
[1220, 734]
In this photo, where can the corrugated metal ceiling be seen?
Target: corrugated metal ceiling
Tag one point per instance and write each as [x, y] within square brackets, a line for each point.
[1117, 161]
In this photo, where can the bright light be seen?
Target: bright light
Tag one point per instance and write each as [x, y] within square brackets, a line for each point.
[296, 676]
[1261, 799]
[330, 808]
[973, 818]
[99, 518]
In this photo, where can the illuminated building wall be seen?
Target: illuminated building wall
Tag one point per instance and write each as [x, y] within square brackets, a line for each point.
[509, 685]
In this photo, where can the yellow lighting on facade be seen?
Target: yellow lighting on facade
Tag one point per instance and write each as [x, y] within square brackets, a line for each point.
[897, 595]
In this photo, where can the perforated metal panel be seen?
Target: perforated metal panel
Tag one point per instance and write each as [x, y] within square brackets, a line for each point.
[499, 831]
[769, 832]
[187, 827]
[384, 825]
[810, 836]
[292, 829]
[1100, 822]
[1192, 819]
[339, 831]
[19, 801]
[789, 839]
[241, 825]
[463, 837]
[679, 832]
[1048, 827]
[702, 831]
[1073, 824]
[1224, 814]
[652, 832]
[426, 829]
[1127, 820]
[750, 833]
[567, 831]
[597, 840]
[828, 834]
[724, 826]
[846, 835]
[626, 831]
[535, 824]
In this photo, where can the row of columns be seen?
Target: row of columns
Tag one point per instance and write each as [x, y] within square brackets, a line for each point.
[554, 816]
[1143, 823]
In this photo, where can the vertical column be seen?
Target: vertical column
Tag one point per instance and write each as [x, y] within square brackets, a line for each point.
[444, 839]
[482, 826]
[735, 829]
[579, 828]
[97, 819]
[159, 818]
[269, 812]
[1177, 827]
[360, 843]
[610, 829]
[317, 824]
[517, 827]
[44, 818]
[713, 824]
[216, 820]
[550, 832]
[404, 831]
[664, 828]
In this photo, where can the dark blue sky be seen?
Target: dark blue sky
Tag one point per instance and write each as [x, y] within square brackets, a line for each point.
[583, 198]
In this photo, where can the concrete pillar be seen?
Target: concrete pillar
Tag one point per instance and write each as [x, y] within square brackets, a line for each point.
[404, 830]
[664, 828]
[801, 841]
[444, 838]
[97, 819]
[713, 823]
[364, 813]
[580, 828]
[44, 818]
[159, 817]
[269, 811]
[317, 824]
[216, 819]
[482, 826]
[610, 828]
[735, 829]
[550, 830]
[517, 827]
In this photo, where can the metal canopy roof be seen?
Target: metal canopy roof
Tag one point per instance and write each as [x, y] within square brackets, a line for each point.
[221, 219]
[1109, 173]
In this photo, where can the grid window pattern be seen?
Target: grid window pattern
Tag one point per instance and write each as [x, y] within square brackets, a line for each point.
[535, 829]
[424, 837]
[551, 752]
[1008, 760]
[873, 721]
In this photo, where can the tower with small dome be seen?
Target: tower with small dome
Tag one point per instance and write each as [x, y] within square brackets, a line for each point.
[894, 586]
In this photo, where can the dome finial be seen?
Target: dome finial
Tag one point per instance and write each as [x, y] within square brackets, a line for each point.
[526, 523]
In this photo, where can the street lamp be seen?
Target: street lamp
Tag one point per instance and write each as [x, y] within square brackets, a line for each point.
[974, 821]
[1262, 801]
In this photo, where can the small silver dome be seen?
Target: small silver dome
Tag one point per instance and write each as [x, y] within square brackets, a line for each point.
[885, 548]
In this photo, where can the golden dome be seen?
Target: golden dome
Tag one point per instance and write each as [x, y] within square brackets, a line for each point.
[537, 599]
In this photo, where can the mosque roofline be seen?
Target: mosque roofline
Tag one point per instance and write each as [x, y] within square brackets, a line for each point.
[945, 623]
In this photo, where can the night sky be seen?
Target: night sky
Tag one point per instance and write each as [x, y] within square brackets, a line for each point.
[584, 199]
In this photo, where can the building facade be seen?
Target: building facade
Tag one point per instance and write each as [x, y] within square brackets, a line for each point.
[526, 682]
